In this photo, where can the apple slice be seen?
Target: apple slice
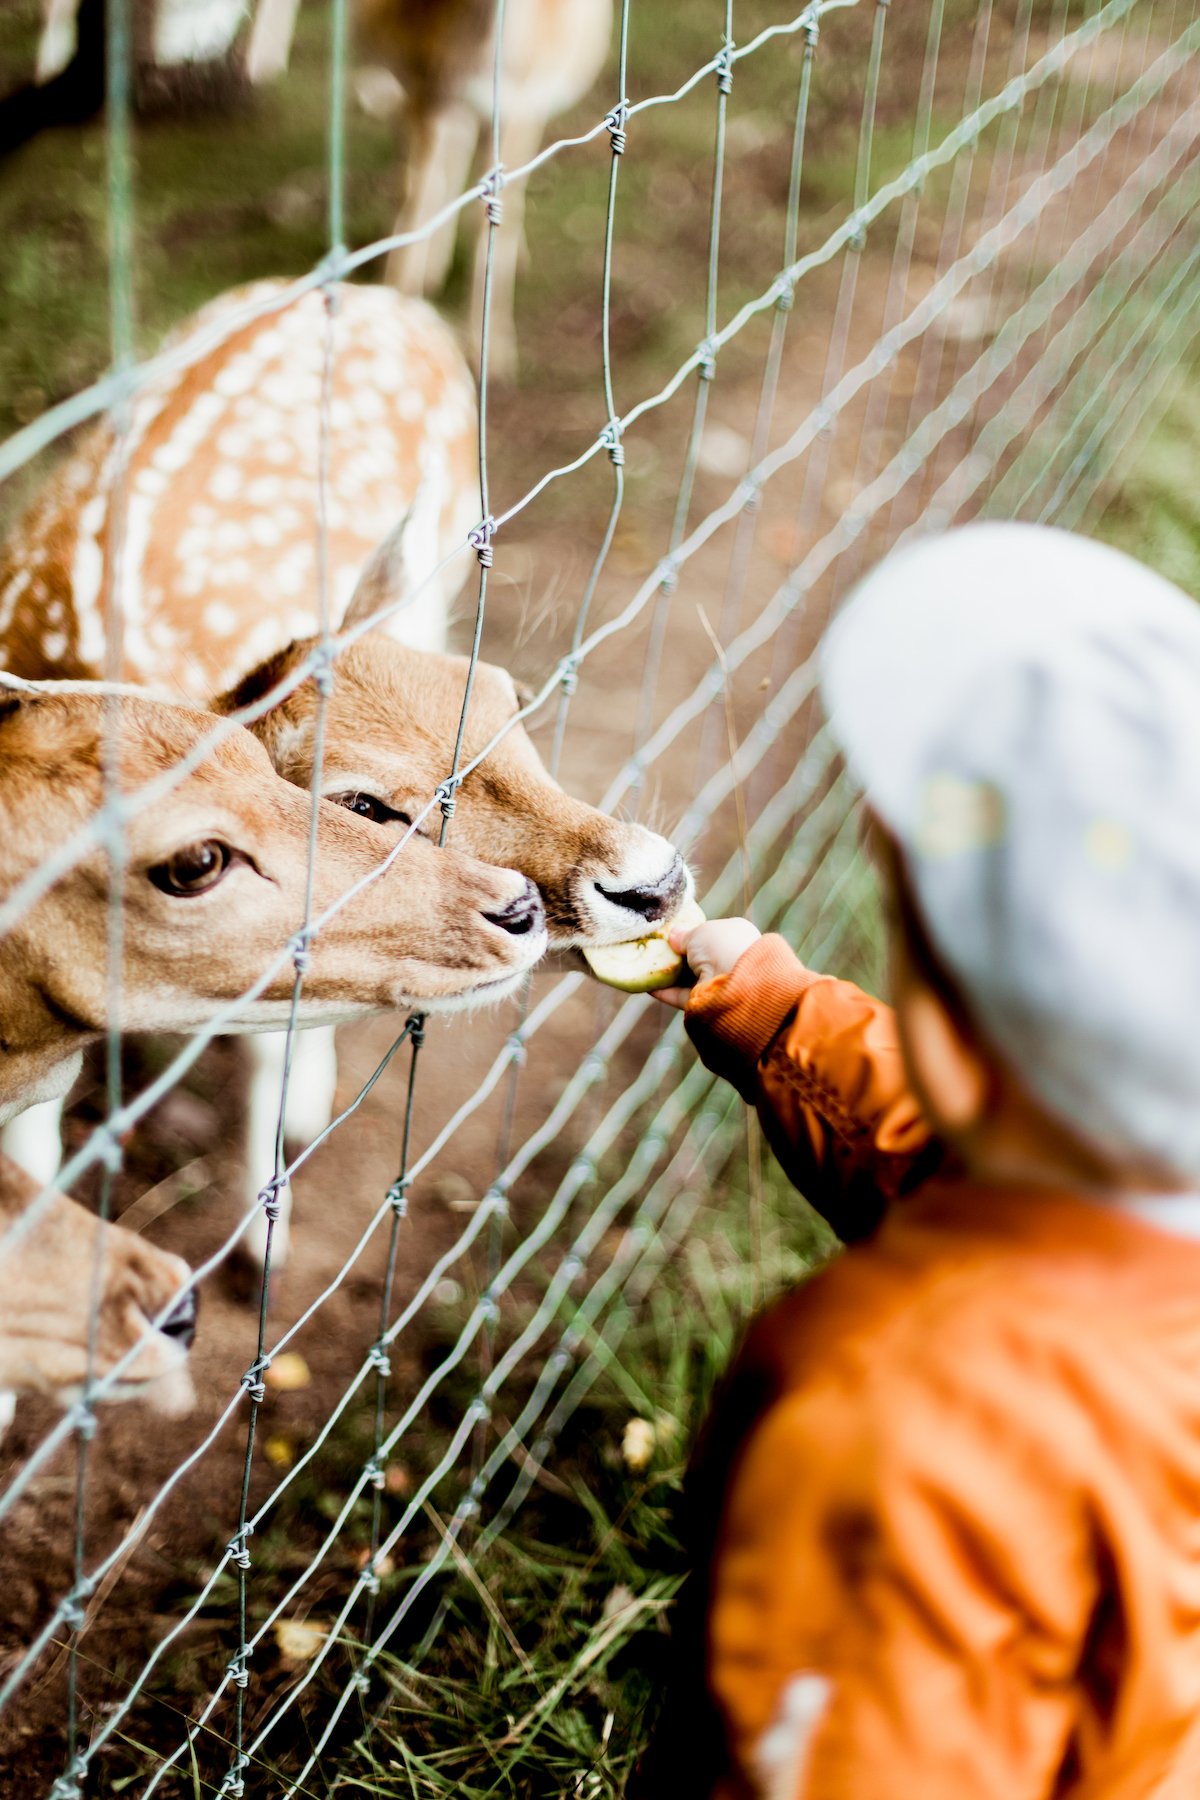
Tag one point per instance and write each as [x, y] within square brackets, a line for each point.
[643, 964]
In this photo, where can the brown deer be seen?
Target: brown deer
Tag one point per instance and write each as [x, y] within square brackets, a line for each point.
[54, 1269]
[204, 545]
[442, 54]
[212, 886]
[182, 53]
[219, 487]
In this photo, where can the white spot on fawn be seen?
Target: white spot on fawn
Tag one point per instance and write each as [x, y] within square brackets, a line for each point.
[226, 483]
[220, 619]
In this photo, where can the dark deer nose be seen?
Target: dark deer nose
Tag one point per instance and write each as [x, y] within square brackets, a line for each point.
[522, 915]
[180, 1322]
[657, 900]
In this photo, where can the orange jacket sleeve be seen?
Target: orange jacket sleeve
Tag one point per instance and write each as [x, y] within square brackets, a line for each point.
[820, 1061]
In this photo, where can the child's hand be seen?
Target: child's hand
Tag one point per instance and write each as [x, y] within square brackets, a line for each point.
[711, 949]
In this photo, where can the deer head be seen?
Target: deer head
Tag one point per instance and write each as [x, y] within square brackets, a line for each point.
[211, 883]
[390, 729]
[54, 1270]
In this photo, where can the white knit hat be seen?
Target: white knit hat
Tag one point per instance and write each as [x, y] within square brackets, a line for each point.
[1022, 708]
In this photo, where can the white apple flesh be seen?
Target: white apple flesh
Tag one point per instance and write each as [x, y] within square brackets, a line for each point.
[643, 964]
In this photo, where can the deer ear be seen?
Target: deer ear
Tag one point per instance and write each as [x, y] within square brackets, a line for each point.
[383, 577]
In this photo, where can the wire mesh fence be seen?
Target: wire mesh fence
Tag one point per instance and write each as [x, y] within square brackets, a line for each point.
[800, 283]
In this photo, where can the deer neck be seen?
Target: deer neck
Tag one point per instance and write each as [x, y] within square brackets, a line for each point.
[40, 1052]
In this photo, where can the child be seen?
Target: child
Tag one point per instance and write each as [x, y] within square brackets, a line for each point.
[955, 1479]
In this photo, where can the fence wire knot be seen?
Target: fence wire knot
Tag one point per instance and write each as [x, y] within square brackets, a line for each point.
[617, 122]
[397, 1195]
[239, 1674]
[496, 1201]
[300, 951]
[233, 1783]
[725, 70]
[239, 1555]
[322, 673]
[707, 352]
[85, 1424]
[416, 1031]
[74, 1607]
[480, 541]
[373, 1470]
[610, 437]
[69, 1784]
[668, 581]
[518, 1052]
[108, 1147]
[253, 1381]
[568, 675]
[368, 1581]
[269, 1196]
[379, 1360]
[490, 193]
[446, 795]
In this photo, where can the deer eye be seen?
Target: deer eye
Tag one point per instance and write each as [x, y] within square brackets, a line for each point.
[194, 869]
[368, 807]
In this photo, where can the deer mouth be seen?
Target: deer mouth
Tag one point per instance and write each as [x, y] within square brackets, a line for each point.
[611, 908]
[484, 993]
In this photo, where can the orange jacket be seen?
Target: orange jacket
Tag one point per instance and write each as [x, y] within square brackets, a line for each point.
[958, 1549]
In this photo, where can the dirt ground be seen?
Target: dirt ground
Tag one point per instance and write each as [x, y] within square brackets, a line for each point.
[187, 1150]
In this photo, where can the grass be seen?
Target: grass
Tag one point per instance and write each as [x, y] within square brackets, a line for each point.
[547, 1662]
[535, 1668]
[1153, 508]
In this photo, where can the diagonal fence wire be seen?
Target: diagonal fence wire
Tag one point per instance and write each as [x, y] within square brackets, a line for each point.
[1023, 417]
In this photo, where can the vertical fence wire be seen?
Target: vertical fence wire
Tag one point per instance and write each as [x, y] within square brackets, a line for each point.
[120, 209]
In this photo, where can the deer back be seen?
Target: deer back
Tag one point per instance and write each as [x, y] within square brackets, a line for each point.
[204, 518]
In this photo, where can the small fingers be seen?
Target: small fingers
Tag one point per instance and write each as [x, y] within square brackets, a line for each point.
[672, 996]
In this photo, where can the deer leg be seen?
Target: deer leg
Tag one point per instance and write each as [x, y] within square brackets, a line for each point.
[56, 45]
[267, 1050]
[441, 145]
[520, 139]
[308, 1108]
[271, 40]
[34, 1140]
[313, 1085]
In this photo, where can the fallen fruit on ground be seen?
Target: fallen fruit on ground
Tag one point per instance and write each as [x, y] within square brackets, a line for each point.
[642, 964]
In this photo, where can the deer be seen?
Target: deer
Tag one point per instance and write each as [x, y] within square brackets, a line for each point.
[59, 1264]
[212, 885]
[441, 53]
[218, 567]
[183, 52]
